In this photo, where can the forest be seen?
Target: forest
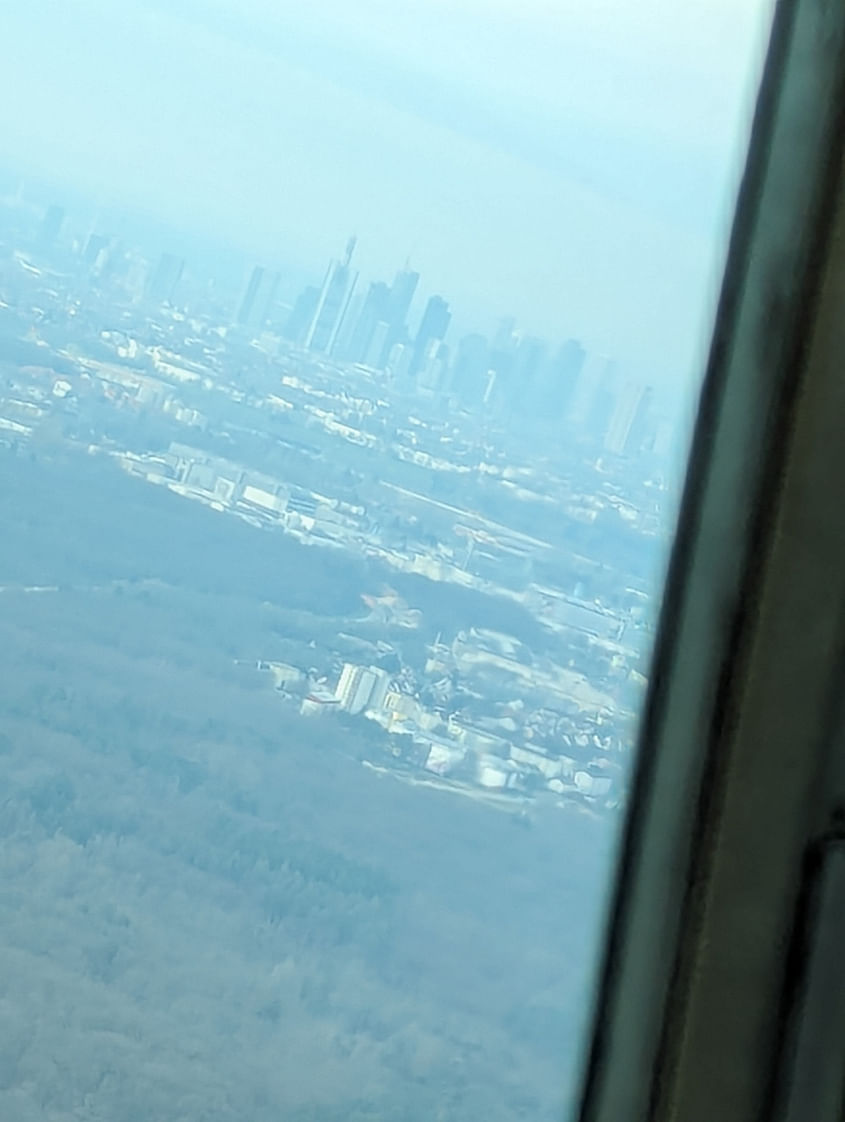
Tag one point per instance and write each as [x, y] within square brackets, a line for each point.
[211, 911]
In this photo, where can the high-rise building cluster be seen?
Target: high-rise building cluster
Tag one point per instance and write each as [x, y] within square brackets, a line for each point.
[370, 329]
[512, 374]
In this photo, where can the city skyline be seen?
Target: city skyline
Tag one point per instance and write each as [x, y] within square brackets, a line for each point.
[511, 372]
[496, 180]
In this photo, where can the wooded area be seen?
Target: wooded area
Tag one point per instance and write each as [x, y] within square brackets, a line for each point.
[211, 910]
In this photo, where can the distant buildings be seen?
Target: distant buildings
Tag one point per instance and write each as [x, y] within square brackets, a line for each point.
[380, 322]
[630, 425]
[515, 376]
[374, 314]
[557, 383]
[518, 374]
[227, 482]
[258, 299]
[164, 279]
[396, 318]
[432, 330]
[332, 303]
[302, 315]
[525, 371]
[471, 368]
[594, 399]
[486, 710]
[96, 251]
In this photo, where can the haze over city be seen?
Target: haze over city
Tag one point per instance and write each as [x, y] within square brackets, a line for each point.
[573, 165]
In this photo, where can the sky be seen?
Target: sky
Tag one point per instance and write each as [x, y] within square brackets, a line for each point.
[570, 163]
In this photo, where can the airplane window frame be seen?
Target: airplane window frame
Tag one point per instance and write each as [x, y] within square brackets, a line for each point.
[669, 1040]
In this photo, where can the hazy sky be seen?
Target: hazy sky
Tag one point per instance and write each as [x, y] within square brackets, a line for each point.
[571, 163]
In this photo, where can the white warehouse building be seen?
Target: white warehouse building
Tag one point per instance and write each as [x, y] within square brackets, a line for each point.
[361, 687]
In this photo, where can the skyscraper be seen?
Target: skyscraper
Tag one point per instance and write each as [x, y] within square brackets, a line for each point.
[335, 295]
[98, 256]
[527, 363]
[557, 383]
[343, 342]
[401, 294]
[632, 428]
[595, 398]
[399, 361]
[259, 296]
[505, 337]
[163, 281]
[432, 373]
[396, 314]
[433, 325]
[470, 369]
[301, 315]
[378, 348]
[501, 363]
[374, 311]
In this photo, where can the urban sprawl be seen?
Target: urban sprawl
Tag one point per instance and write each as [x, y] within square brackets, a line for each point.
[529, 473]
